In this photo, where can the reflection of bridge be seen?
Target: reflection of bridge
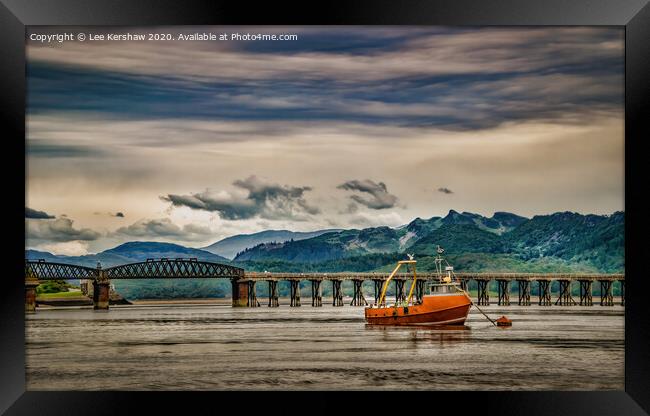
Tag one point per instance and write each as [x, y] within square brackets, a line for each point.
[244, 284]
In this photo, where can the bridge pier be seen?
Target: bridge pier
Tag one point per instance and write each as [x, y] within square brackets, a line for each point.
[295, 293]
[544, 292]
[483, 293]
[420, 287]
[273, 294]
[504, 292]
[30, 295]
[101, 294]
[622, 292]
[337, 294]
[463, 284]
[239, 293]
[400, 296]
[316, 293]
[606, 297]
[524, 292]
[379, 284]
[252, 295]
[585, 293]
[565, 298]
[357, 298]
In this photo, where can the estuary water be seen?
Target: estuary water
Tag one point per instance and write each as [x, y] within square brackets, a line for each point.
[216, 347]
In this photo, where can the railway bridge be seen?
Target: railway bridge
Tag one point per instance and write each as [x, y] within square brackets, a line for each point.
[244, 283]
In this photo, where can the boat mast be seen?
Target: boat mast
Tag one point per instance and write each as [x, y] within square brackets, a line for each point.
[438, 260]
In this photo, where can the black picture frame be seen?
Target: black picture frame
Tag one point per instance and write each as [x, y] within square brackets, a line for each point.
[633, 14]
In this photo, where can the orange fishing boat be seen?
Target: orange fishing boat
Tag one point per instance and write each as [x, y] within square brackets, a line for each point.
[446, 304]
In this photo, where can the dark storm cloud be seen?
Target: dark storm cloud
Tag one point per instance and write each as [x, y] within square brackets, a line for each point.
[46, 149]
[450, 78]
[378, 195]
[37, 215]
[445, 191]
[262, 198]
[58, 230]
[164, 227]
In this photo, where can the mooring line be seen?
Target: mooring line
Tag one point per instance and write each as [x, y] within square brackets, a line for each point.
[473, 304]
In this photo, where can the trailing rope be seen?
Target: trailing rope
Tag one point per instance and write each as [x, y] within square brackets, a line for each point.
[476, 306]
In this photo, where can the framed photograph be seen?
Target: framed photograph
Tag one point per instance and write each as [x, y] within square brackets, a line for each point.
[442, 198]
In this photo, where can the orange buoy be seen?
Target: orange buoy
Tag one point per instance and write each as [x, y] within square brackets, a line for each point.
[503, 321]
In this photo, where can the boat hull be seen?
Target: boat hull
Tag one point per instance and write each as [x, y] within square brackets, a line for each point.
[434, 310]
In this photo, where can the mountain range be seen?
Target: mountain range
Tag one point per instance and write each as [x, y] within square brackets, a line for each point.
[409, 237]
[564, 241]
[590, 242]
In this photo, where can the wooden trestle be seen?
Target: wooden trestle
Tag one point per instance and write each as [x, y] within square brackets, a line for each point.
[316, 293]
[565, 298]
[274, 301]
[524, 292]
[252, 296]
[295, 292]
[337, 293]
[483, 293]
[504, 292]
[357, 296]
[606, 297]
[400, 296]
[379, 284]
[585, 293]
[544, 292]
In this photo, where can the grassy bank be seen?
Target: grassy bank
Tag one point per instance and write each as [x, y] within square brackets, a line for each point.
[74, 294]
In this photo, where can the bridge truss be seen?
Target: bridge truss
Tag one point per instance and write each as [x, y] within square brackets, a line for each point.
[150, 269]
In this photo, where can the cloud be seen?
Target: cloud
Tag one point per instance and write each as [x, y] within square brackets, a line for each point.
[118, 214]
[68, 248]
[379, 197]
[164, 228]
[253, 197]
[37, 215]
[445, 190]
[59, 230]
[449, 77]
[372, 219]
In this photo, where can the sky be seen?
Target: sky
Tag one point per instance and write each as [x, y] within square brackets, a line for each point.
[190, 142]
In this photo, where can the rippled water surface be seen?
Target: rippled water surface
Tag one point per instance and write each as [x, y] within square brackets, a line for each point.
[209, 347]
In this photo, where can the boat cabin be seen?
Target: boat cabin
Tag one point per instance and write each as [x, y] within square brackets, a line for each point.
[444, 288]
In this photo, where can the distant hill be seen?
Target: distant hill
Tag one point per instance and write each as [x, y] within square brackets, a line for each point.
[229, 247]
[130, 252]
[596, 239]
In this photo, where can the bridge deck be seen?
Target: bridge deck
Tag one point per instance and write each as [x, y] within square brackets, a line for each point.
[256, 276]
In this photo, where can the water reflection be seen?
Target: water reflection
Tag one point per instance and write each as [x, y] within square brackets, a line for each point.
[422, 335]
[212, 347]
